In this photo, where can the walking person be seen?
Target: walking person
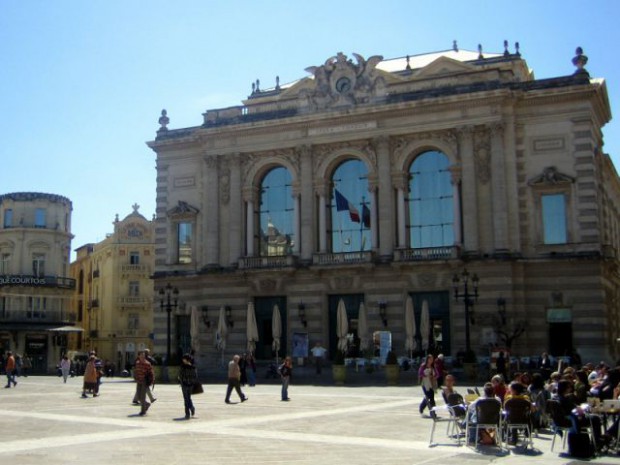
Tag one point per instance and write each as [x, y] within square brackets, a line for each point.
[318, 353]
[90, 377]
[26, 366]
[149, 389]
[188, 375]
[9, 367]
[427, 374]
[286, 371]
[251, 368]
[234, 377]
[65, 367]
[144, 375]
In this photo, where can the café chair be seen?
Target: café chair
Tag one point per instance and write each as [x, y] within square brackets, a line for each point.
[488, 417]
[518, 418]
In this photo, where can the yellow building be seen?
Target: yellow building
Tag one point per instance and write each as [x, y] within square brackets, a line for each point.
[115, 291]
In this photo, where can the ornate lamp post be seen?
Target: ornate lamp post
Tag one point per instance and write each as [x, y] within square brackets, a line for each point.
[168, 302]
[469, 298]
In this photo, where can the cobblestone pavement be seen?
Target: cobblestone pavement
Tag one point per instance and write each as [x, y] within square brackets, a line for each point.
[44, 421]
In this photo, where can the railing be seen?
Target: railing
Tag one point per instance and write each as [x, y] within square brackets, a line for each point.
[134, 301]
[49, 316]
[429, 253]
[343, 258]
[133, 332]
[281, 261]
[135, 268]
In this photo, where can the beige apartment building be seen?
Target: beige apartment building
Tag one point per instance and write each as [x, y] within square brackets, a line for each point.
[36, 318]
[372, 180]
[114, 292]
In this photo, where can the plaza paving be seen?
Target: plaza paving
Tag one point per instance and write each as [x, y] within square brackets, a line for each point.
[46, 422]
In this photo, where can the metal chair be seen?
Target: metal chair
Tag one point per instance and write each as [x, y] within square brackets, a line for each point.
[488, 417]
[518, 417]
[560, 423]
[456, 410]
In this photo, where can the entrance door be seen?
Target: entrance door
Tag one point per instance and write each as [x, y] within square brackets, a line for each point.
[439, 318]
[352, 303]
[560, 339]
[263, 307]
[36, 348]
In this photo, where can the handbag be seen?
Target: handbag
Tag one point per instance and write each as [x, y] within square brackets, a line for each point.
[197, 388]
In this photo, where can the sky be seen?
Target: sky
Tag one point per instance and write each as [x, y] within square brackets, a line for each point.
[83, 83]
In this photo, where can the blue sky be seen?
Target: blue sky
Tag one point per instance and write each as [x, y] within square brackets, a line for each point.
[82, 83]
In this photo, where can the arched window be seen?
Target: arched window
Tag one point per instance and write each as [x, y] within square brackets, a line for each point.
[350, 208]
[431, 213]
[277, 232]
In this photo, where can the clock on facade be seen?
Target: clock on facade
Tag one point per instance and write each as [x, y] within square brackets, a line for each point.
[343, 85]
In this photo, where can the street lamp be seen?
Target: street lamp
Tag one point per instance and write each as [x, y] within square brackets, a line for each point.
[168, 302]
[468, 299]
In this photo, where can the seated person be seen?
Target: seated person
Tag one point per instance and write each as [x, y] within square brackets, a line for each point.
[499, 387]
[516, 390]
[488, 392]
[571, 409]
[448, 387]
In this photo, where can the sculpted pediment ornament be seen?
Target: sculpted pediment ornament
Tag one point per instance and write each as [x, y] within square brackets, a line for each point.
[342, 83]
[183, 209]
[551, 177]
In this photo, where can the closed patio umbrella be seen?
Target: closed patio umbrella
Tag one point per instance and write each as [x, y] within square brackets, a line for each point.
[222, 332]
[276, 330]
[410, 342]
[251, 330]
[194, 329]
[362, 327]
[342, 326]
[425, 325]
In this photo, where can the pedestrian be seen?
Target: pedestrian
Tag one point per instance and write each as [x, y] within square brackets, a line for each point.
[286, 371]
[144, 375]
[251, 369]
[243, 365]
[18, 365]
[500, 365]
[9, 367]
[318, 353]
[427, 374]
[26, 366]
[90, 377]
[234, 377]
[150, 387]
[188, 376]
[441, 369]
[65, 367]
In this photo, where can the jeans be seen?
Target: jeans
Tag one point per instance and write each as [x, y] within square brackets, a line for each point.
[285, 383]
[429, 399]
[234, 384]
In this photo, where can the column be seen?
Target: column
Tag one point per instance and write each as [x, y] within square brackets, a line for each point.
[306, 212]
[498, 188]
[385, 201]
[321, 192]
[469, 203]
[249, 222]
[236, 210]
[296, 228]
[455, 180]
[211, 216]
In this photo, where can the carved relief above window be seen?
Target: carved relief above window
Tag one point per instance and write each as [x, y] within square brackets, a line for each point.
[551, 177]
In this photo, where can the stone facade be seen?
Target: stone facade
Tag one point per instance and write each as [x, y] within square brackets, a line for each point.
[35, 287]
[513, 145]
[114, 292]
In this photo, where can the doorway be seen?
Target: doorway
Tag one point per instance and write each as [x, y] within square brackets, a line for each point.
[264, 317]
[560, 339]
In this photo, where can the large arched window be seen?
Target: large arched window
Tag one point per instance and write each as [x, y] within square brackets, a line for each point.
[277, 229]
[350, 208]
[431, 207]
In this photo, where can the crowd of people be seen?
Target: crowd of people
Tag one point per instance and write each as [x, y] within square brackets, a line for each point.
[573, 388]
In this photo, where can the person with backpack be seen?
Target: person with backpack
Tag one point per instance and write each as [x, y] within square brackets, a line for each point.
[286, 371]
[144, 376]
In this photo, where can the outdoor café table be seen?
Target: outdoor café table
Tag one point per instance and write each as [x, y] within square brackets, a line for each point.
[608, 414]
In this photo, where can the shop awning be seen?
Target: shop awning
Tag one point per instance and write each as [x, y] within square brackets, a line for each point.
[67, 329]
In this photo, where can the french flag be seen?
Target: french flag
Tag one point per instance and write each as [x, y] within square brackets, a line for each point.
[343, 204]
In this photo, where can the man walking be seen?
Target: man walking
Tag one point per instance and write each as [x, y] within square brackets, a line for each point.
[149, 393]
[143, 374]
[234, 380]
[318, 352]
[10, 370]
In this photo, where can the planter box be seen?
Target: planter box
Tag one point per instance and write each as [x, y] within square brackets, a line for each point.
[392, 374]
[340, 374]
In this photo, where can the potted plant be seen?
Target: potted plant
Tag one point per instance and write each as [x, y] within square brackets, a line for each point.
[392, 370]
[338, 368]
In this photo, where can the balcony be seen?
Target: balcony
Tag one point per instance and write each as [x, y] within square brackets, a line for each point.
[344, 258]
[133, 303]
[133, 333]
[280, 261]
[60, 317]
[136, 269]
[429, 253]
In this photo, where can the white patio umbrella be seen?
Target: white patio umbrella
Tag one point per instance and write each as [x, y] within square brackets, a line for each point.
[276, 330]
[425, 325]
[342, 326]
[222, 332]
[362, 327]
[410, 342]
[251, 330]
[194, 328]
